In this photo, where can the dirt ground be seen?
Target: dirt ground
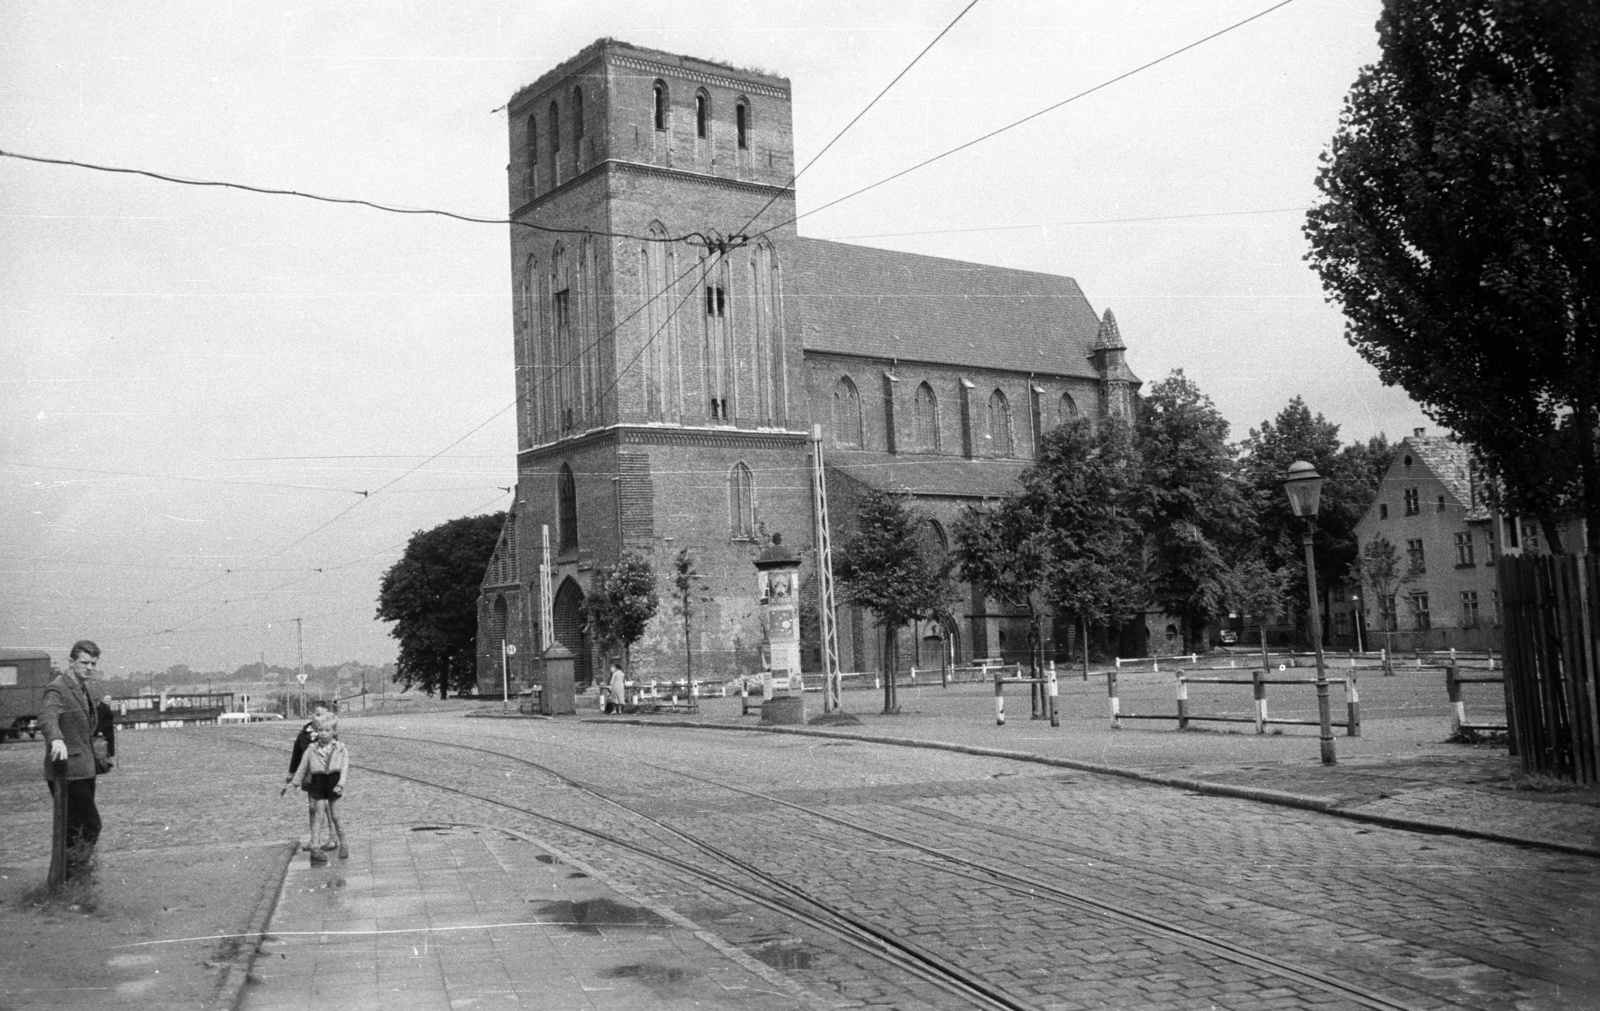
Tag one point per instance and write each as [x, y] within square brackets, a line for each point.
[195, 836]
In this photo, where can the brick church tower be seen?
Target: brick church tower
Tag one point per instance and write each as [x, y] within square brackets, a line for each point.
[640, 355]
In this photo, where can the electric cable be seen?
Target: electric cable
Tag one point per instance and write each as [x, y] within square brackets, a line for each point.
[1063, 224]
[687, 238]
[1028, 118]
[177, 477]
[867, 108]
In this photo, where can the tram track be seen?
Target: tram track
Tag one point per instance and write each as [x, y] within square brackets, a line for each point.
[870, 937]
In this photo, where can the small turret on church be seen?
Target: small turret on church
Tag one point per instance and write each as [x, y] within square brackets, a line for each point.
[1117, 381]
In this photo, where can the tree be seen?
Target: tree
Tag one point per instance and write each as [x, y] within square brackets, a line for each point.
[1458, 232]
[1004, 548]
[1191, 507]
[1082, 485]
[690, 590]
[431, 594]
[1380, 576]
[883, 568]
[1350, 479]
[622, 603]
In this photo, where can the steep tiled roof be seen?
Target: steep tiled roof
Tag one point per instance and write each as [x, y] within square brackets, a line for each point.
[929, 475]
[1451, 464]
[884, 304]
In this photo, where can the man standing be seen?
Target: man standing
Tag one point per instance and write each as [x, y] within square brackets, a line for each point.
[70, 717]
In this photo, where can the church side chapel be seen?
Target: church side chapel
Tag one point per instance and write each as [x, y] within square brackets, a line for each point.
[668, 385]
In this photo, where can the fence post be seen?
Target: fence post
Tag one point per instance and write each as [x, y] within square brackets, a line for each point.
[1352, 701]
[1260, 691]
[57, 874]
[1183, 702]
[999, 700]
[744, 696]
[1458, 708]
[1116, 703]
[1055, 713]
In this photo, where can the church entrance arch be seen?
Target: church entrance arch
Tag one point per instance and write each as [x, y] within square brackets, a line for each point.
[570, 630]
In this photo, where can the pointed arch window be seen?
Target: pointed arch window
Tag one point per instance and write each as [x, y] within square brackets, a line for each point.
[577, 118]
[1000, 442]
[567, 508]
[1067, 410]
[533, 153]
[925, 411]
[555, 128]
[741, 501]
[702, 114]
[846, 414]
[741, 122]
[660, 105]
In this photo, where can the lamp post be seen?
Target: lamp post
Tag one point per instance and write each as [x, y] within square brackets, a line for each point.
[1304, 487]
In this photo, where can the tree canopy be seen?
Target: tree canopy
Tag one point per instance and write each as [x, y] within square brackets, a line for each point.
[431, 595]
[622, 602]
[1458, 232]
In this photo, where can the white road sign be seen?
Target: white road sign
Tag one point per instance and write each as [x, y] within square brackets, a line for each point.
[300, 678]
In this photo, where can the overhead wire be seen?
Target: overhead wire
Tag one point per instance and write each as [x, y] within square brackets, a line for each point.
[1064, 224]
[864, 110]
[688, 237]
[1025, 119]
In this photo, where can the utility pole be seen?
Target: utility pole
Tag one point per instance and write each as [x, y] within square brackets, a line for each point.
[300, 650]
[827, 617]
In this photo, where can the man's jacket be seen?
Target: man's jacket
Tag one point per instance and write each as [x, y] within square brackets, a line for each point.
[72, 713]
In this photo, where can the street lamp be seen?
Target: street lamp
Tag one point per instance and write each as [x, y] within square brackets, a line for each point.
[1303, 485]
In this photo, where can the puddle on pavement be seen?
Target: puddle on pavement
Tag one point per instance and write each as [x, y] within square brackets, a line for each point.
[430, 828]
[545, 858]
[784, 956]
[577, 874]
[588, 916]
[647, 972]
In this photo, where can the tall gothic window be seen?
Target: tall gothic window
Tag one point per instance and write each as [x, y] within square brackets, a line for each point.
[567, 508]
[999, 424]
[741, 121]
[555, 128]
[1067, 410]
[660, 99]
[926, 419]
[577, 119]
[532, 148]
[702, 114]
[846, 414]
[741, 501]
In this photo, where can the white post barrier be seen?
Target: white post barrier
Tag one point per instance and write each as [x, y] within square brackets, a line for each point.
[1053, 691]
[999, 701]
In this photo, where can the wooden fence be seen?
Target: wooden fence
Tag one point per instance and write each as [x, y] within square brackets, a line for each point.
[1551, 612]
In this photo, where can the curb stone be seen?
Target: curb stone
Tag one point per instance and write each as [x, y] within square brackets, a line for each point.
[1320, 805]
[230, 987]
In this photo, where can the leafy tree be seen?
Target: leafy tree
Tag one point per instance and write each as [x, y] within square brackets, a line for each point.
[622, 603]
[884, 568]
[1193, 511]
[689, 590]
[1458, 232]
[1004, 548]
[1082, 483]
[1381, 577]
[1350, 479]
[431, 594]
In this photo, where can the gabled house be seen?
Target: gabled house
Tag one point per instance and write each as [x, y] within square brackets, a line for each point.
[1430, 506]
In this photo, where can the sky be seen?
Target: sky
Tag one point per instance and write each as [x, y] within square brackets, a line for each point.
[222, 411]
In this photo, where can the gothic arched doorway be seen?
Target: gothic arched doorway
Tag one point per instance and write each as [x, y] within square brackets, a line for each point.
[570, 631]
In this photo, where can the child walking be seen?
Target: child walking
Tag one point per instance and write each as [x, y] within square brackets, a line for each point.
[323, 772]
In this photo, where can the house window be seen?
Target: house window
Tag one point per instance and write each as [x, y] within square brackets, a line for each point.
[1389, 613]
[1383, 510]
[999, 434]
[702, 113]
[555, 128]
[1412, 502]
[1469, 608]
[1488, 546]
[577, 117]
[1414, 552]
[741, 119]
[716, 300]
[926, 417]
[661, 106]
[1494, 601]
[567, 508]
[1441, 503]
[741, 502]
[1511, 531]
[1067, 409]
[1419, 612]
[1464, 549]
[846, 414]
[1530, 536]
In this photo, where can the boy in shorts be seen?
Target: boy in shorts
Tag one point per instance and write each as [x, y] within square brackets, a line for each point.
[323, 772]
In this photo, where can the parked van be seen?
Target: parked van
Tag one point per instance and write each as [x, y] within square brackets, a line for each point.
[24, 673]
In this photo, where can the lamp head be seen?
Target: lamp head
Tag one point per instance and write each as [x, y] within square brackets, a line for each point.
[1304, 487]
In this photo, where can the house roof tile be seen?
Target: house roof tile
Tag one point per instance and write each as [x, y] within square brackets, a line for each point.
[1451, 463]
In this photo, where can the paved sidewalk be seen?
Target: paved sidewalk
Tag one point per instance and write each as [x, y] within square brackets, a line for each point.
[1398, 772]
[437, 917]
